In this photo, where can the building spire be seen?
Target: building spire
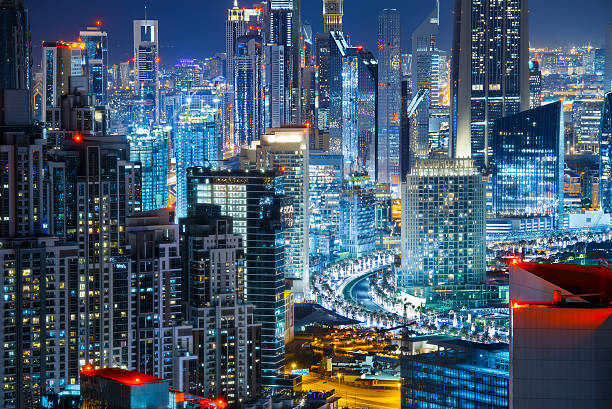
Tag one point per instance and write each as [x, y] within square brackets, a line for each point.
[235, 4]
[145, 12]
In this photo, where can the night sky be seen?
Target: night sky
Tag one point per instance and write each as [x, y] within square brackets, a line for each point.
[196, 28]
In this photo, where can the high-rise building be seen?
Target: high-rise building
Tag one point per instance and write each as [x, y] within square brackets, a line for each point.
[249, 120]
[227, 338]
[428, 63]
[188, 74]
[389, 98]
[325, 177]
[22, 198]
[150, 149]
[36, 346]
[357, 216]
[443, 224]
[322, 49]
[332, 15]
[162, 342]
[285, 150]
[96, 51]
[415, 138]
[586, 120]
[234, 28]
[15, 58]
[275, 104]
[535, 84]
[561, 321]
[146, 70]
[196, 143]
[527, 163]
[489, 72]
[608, 60]
[353, 90]
[285, 28]
[60, 62]
[605, 156]
[261, 214]
[94, 189]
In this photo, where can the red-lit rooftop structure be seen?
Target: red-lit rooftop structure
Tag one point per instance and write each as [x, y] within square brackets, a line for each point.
[593, 283]
[130, 378]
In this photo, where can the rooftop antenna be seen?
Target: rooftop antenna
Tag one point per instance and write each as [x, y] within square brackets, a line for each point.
[145, 12]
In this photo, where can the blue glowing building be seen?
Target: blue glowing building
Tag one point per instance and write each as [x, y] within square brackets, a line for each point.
[197, 141]
[357, 216]
[96, 50]
[325, 180]
[460, 374]
[605, 156]
[353, 87]
[150, 148]
[527, 163]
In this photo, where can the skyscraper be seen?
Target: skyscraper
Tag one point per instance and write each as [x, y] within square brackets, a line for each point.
[260, 214]
[227, 339]
[353, 90]
[389, 97]
[96, 50]
[150, 149]
[37, 350]
[96, 188]
[60, 62]
[286, 29]
[427, 60]
[325, 177]
[489, 73]
[15, 59]
[357, 216]
[332, 15]
[527, 163]
[249, 120]
[443, 224]
[146, 67]
[234, 28]
[197, 142]
[608, 67]
[535, 84]
[22, 155]
[156, 296]
[322, 48]
[605, 156]
[285, 150]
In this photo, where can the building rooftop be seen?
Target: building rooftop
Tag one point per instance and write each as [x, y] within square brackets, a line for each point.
[131, 378]
[593, 282]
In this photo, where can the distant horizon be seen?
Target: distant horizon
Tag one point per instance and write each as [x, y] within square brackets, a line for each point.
[199, 32]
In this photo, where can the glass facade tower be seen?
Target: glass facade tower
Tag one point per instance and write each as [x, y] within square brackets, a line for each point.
[605, 156]
[151, 150]
[389, 98]
[489, 72]
[260, 215]
[196, 142]
[443, 224]
[527, 163]
[96, 50]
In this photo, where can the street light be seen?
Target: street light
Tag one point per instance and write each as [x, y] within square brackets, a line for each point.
[293, 365]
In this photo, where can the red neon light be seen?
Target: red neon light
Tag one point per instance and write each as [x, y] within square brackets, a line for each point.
[77, 137]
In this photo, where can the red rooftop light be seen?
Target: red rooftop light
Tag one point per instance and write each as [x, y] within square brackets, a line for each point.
[98, 23]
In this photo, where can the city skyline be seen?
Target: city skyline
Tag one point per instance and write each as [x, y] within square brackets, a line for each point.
[182, 33]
